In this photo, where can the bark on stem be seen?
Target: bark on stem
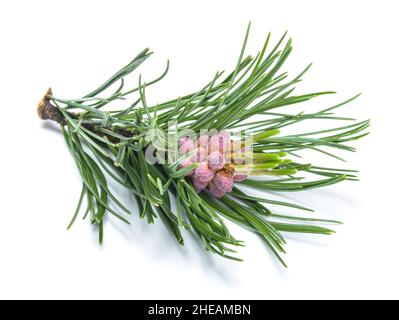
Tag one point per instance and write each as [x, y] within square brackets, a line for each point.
[47, 111]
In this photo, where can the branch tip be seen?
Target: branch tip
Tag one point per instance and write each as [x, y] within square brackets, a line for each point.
[46, 111]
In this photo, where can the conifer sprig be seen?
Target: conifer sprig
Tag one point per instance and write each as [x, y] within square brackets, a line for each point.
[111, 144]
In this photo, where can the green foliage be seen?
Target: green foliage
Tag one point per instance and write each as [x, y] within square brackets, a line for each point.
[111, 145]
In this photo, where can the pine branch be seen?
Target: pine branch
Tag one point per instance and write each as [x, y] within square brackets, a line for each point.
[113, 144]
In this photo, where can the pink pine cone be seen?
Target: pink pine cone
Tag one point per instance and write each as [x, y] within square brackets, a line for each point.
[225, 134]
[224, 180]
[214, 190]
[220, 142]
[185, 164]
[198, 185]
[204, 173]
[200, 155]
[186, 145]
[203, 141]
[216, 160]
[239, 177]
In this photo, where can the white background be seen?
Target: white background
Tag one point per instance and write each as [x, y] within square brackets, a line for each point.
[74, 45]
